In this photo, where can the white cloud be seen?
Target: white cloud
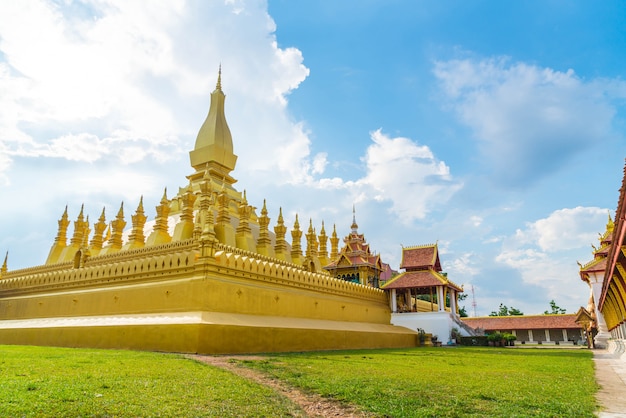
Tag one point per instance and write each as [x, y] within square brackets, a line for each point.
[115, 80]
[401, 172]
[407, 174]
[463, 268]
[528, 120]
[545, 251]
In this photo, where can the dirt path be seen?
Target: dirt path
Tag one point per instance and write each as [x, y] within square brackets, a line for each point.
[312, 405]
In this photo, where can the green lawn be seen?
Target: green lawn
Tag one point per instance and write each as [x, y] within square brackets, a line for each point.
[448, 382]
[62, 382]
[428, 382]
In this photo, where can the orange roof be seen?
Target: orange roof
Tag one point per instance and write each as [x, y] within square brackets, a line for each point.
[493, 323]
[421, 257]
[596, 265]
[419, 279]
[413, 279]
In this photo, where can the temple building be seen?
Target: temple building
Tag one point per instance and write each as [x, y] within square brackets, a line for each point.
[206, 275]
[611, 302]
[423, 296]
[355, 262]
[593, 274]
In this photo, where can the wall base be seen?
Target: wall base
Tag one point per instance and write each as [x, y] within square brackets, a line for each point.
[205, 333]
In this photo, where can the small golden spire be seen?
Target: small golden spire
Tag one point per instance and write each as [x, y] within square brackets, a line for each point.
[610, 225]
[4, 268]
[354, 226]
[107, 235]
[219, 78]
[280, 215]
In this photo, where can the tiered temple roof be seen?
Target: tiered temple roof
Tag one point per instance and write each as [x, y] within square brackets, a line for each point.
[599, 262]
[422, 270]
[355, 257]
[612, 301]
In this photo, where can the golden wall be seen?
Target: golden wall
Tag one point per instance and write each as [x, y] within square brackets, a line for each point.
[171, 298]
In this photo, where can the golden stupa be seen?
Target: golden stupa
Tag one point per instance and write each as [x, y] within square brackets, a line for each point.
[210, 277]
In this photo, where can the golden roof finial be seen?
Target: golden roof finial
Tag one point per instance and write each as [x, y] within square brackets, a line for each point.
[219, 78]
[354, 226]
[4, 265]
[296, 224]
[610, 225]
[280, 214]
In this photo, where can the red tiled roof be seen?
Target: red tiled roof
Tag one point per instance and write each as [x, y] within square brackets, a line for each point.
[421, 257]
[419, 279]
[493, 323]
[413, 279]
[594, 266]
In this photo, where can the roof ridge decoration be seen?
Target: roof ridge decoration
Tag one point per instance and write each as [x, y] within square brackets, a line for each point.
[590, 263]
[414, 247]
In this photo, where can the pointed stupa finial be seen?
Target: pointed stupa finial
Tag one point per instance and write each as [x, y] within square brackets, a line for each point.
[610, 225]
[4, 268]
[218, 86]
[164, 198]
[214, 143]
[354, 226]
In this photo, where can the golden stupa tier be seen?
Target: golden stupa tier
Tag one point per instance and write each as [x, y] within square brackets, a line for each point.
[205, 275]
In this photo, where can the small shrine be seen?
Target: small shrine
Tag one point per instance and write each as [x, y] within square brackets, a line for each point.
[422, 287]
[355, 263]
[423, 297]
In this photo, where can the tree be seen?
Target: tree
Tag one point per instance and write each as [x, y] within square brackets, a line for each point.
[506, 311]
[554, 309]
[462, 310]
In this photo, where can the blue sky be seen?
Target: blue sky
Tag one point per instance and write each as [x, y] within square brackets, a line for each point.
[493, 128]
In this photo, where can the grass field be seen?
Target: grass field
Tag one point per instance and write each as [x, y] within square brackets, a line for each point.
[421, 382]
[61, 382]
[448, 382]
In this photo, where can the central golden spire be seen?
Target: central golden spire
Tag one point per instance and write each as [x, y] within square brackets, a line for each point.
[214, 145]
